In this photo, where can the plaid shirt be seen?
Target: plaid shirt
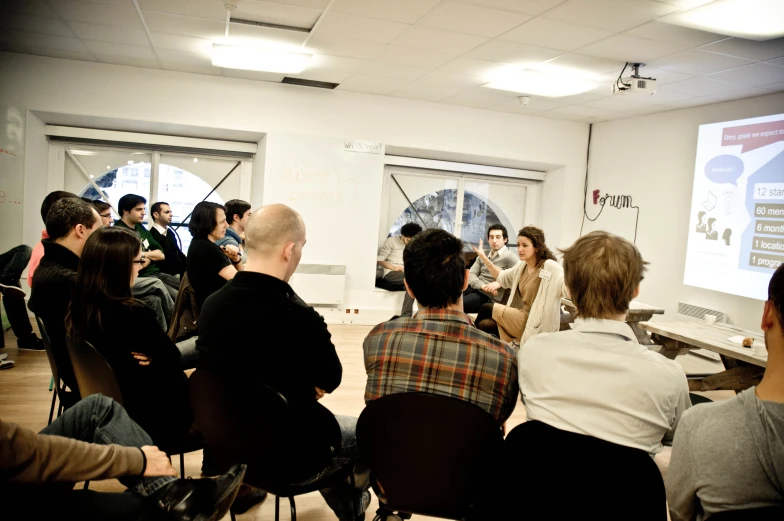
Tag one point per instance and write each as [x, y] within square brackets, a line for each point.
[439, 351]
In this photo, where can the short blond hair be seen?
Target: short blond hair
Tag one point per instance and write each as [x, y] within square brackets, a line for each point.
[602, 271]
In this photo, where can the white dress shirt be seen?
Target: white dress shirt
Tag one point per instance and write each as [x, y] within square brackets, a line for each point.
[599, 381]
[160, 228]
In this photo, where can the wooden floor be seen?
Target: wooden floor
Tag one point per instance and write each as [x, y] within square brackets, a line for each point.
[25, 399]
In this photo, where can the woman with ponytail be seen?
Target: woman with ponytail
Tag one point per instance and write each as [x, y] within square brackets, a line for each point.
[534, 305]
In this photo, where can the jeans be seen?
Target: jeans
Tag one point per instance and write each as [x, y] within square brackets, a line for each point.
[397, 277]
[12, 264]
[172, 283]
[338, 496]
[96, 419]
[473, 300]
[155, 296]
[188, 353]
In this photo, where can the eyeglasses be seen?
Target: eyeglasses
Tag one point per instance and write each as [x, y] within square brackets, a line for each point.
[140, 261]
[106, 216]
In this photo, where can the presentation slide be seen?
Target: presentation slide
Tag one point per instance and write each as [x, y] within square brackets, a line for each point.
[736, 225]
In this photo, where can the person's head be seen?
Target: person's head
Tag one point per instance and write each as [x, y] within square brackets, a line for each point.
[208, 221]
[711, 224]
[70, 222]
[531, 245]
[773, 313]
[435, 269]
[104, 209]
[238, 214]
[701, 217]
[602, 273]
[408, 231]
[161, 213]
[131, 208]
[274, 239]
[52, 198]
[497, 237]
[110, 263]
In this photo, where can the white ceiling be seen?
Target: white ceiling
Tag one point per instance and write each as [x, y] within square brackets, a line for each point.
[433, 50]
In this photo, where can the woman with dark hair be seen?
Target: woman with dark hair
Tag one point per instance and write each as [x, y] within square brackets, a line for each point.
[535, 302]
[145, 361]
[208, 265]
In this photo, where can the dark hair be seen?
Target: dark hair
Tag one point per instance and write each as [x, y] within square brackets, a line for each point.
[497, 226]
[204, 218]
[236, 207]
[410, 229]
[128, 202]
[156, 207]
[65, 214]
[435, 268]
[700, 214]
[104, 276]
[536, 236]
[101, 206]
[711, 221]
[776, 293]
[52, 198]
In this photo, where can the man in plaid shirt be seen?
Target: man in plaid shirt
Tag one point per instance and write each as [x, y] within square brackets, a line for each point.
[439, 351]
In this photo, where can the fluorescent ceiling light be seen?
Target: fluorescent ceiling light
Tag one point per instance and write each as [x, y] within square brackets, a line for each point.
[750, 19]
[258, 59]
[540, 83]
[82, 152]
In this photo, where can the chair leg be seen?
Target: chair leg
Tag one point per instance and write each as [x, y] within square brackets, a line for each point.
[293, 508]
[86, 484]
[182, 465]
[354, 495]
[51, 410]
[233, 515]
[60, 409]
[277, 508]
[51, 383]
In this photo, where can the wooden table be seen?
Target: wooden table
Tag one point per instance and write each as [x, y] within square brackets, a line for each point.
[742, 368]
[638, 312]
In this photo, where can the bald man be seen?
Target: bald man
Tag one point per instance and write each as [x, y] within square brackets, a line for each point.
[284, 344]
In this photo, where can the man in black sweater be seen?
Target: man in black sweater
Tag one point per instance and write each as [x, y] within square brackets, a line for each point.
[69, 223]
[174, 263]
[284, 344]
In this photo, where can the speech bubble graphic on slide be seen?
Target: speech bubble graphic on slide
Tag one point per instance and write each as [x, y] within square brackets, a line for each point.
[753, 136]
[724, 169]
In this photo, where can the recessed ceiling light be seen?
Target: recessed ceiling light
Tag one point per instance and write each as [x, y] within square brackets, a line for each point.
[130, 162]
[108, 167]
[541, 83]
[259, 59]
[750, 19]
[92, 177]
[195, 159]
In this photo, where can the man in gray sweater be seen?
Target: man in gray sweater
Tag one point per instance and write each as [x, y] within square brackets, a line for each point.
[730, 455]
[482, 286]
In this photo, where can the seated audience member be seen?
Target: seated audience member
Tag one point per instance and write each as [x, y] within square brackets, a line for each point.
[481, 287]
[439, 351]
[390, 257]
[104, 209]
[174, 263]
[209, 265]
[537, 286]
[294, 355]
[69, 223]
[38, 249]
[729, 455]
[596, 379]
[93, 440]
[132, 214]
[104, 312]
[237, 215]
[12, 264]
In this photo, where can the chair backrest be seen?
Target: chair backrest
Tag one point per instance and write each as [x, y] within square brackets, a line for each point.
[752, 514]
[566, 475]
[93, 373]
[260, 430]
[431, 455]
[49, 351]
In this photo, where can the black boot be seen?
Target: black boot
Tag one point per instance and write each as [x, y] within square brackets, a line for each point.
[201, 499]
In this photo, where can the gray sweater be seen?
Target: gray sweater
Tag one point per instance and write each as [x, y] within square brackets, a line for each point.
[727, 456]
[479, 275]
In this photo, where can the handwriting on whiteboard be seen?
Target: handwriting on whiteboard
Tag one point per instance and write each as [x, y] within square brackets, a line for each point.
[317, 187]
[7, 152]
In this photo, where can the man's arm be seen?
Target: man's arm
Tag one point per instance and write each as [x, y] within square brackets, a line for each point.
[323, 363]
[384, 253]
[680, 480]
[27, 457]
[473, 275]
[682, 403]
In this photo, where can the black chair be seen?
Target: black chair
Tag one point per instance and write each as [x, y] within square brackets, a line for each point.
[752, 514]
[430, 455]
[564, 475]
[261, 445]
[67, 398]
[94, 375]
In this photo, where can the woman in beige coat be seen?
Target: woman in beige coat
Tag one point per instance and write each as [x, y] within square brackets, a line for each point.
[537, 282]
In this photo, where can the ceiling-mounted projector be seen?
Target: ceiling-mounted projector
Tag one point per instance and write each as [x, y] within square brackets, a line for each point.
[635, 84]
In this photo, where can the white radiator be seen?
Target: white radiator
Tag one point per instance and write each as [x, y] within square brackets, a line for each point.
[320, 284]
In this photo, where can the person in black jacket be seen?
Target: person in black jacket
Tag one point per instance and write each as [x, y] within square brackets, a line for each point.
[146, 363]
[284, 344]
[174, 263]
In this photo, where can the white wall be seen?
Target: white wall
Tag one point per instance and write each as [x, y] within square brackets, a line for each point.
[32, 83]
[652, 158]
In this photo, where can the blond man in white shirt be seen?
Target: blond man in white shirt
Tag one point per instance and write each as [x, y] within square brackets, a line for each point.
[596, 379]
